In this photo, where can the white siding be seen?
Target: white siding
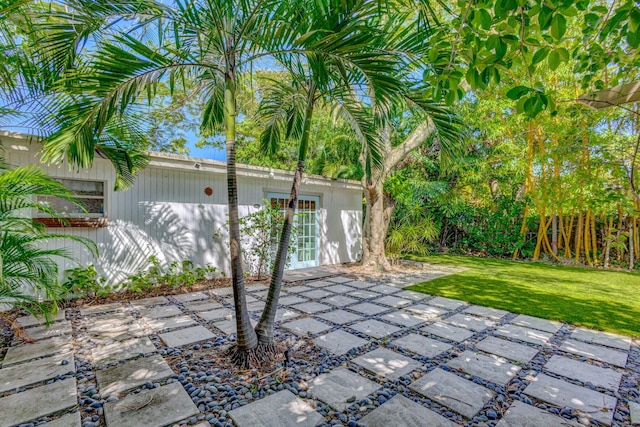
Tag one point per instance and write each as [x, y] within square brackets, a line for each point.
[167, 214]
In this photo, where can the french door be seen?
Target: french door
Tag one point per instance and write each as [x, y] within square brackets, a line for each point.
[306, 222]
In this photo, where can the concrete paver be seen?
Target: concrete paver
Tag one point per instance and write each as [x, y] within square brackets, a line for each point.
[422, 345]
[531, 336]
[28, 373]
[26, 321]
[509, 349]
[592, 404]
[387, 363]
[122, 350]
[491, 313]
[403, 318]
[186, 336]
[339, 316]
[522, 415]
[306, 326]
[491, 368]
[339, 342]
[193, 296]
[473, 323]
[596, 352]
[157, 325]
[537, 323]
[341, 387]
[584, 372]
[38, 402]
[148, 302]
[283, 409]
[448, 332]
[42, 332]
[131, 374]
[464, 397]
[375, 328]
[369, 308]
[28, 351]
[374, 309]
[101, 309]
[402, 412]
[151, 408]
[602, 338]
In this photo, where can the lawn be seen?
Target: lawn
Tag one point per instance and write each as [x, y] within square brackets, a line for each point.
[604, 300]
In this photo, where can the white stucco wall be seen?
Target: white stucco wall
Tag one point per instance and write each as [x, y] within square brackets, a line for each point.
[167, 213]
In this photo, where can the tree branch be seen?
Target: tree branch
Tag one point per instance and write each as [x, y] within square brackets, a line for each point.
[415, 139]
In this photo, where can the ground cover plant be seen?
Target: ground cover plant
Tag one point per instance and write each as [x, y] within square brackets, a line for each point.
[599, 299]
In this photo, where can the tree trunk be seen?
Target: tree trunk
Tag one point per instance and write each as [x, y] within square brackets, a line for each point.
[554, 234]
[376, 225]
[607, 249]
[579, 238]
[246, 336]
[379, 207]
[264, 328]
[632, 260]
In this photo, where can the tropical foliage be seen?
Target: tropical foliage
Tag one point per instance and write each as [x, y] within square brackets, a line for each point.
[459, 118]
[29, 272]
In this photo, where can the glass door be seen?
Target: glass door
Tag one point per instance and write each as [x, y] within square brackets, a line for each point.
[306, 223]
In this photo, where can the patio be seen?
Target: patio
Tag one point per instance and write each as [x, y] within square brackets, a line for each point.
[381, 356]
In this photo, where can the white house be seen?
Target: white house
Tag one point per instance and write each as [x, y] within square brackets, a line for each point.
[178, 210]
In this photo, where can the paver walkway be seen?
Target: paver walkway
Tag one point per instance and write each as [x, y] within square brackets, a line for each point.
[386, 357]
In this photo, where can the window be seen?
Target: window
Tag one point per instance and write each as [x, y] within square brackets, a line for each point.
[90, 195]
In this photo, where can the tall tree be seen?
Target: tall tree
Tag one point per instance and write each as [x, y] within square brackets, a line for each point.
[114, 57]
[346, 56]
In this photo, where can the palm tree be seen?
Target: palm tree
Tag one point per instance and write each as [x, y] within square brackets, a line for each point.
[111, 56]
[29, 272]
[365, 92]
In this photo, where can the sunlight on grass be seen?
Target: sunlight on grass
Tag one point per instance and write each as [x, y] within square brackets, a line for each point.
[604, 300]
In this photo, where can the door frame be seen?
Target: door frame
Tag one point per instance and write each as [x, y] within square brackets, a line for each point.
[295, 264]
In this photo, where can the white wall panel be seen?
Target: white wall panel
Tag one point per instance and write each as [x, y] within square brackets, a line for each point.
[167, 213]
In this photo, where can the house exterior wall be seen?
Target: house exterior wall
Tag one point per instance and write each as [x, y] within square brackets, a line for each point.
[167, 213]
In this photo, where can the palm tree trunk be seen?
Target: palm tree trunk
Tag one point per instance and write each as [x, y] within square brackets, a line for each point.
[264, 328]
[246, 337]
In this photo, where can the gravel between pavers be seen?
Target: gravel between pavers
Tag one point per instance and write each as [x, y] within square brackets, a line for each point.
[216, 388]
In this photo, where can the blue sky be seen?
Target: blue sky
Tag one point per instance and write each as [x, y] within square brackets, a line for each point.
[206, 152]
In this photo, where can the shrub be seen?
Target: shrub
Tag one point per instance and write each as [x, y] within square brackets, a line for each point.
[176, 274]
[82, 282]
[260, 233]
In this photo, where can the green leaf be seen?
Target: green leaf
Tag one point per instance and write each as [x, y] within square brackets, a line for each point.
[473, 78]
[558, 26]
[554, 60]
[437, 93]
[485, 19]
[564, 53]
[544, 17]
[532, 106]
[582, 5]
[569, 11]
[633, 38]
[450, 98]
[501, 49]
[492, 41]
[634, 19]
[517, 92]
[540, 55]
[433, 54]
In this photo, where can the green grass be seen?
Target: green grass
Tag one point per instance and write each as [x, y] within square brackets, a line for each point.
[604, 300]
